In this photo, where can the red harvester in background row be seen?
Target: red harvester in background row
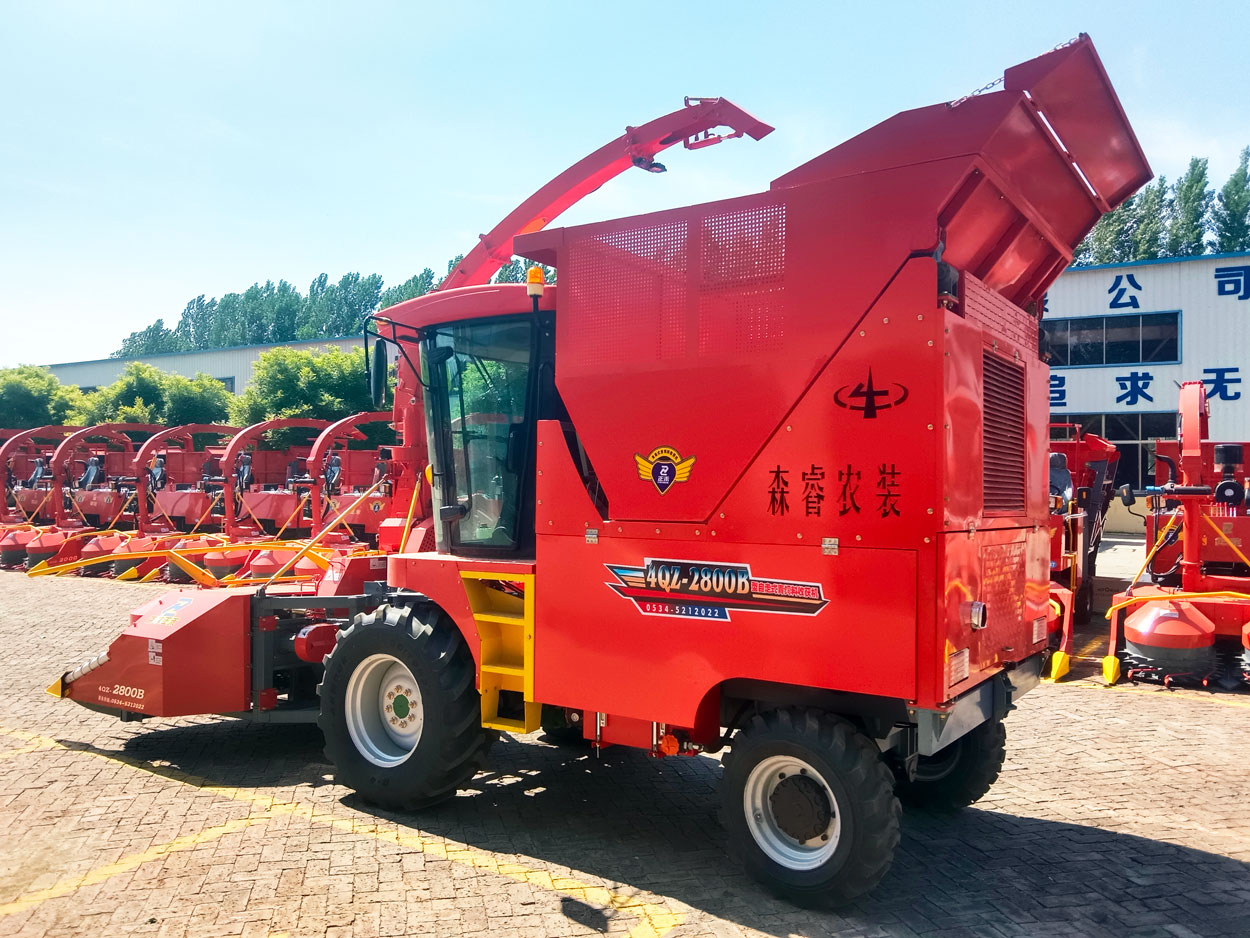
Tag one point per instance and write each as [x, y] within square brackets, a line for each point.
[1191, 622]
[1081, 479]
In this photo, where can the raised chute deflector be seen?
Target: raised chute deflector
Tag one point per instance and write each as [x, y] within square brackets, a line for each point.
[1037, 164]
[1072, 90]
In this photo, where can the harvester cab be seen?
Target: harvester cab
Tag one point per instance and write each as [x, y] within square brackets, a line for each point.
[741, 478]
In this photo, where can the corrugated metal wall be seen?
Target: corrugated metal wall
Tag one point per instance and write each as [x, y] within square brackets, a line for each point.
[1214, 330]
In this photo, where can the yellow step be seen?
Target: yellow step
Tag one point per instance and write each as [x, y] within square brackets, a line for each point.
[503, 618]
[507, 670]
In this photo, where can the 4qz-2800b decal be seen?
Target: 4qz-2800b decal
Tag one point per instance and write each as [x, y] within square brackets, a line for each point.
[693, 589]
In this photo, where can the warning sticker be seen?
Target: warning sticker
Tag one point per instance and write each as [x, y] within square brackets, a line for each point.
[154, 651]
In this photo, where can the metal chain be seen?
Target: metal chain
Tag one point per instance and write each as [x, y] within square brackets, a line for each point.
[998, 81]
[973, 94]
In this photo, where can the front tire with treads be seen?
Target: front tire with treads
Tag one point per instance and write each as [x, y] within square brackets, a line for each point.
[400, 711]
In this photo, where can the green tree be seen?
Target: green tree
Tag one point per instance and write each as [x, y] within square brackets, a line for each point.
[1230, 215]
[1191, 206]
[156, 339]
[32, 396]
[337, 309]
[288, 382]
[416, 285]
[1111, 241]
[145, 394]
[1152, 210]
[195, 327]
[201, 399]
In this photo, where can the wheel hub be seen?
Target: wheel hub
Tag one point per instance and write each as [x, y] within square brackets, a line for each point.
[792, 812]
[800, 807]
[384, 711]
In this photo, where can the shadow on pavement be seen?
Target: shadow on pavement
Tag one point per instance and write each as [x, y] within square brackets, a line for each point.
[648, 825]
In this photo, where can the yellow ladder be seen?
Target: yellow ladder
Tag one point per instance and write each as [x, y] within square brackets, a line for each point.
[505, 624]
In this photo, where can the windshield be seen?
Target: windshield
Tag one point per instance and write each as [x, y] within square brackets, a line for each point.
[482, 403]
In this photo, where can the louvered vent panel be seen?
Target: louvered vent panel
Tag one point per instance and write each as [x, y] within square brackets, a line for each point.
[1002, 456]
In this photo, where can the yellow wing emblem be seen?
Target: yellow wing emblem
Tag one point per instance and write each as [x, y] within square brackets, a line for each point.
[663, 467]
[644, 467]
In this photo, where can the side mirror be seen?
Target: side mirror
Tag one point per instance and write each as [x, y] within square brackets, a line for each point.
[377, 374]
[1127, 498]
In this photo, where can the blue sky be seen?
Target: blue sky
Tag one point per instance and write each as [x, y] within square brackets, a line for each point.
[156, 151]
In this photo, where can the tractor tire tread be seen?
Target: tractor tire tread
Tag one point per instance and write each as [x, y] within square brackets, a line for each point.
[462, 750]
[984, 749]
[870, 789]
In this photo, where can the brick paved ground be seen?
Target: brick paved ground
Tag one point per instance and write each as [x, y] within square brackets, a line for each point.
[1121, 812]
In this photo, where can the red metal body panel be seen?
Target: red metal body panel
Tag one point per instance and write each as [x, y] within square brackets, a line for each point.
[185, 652]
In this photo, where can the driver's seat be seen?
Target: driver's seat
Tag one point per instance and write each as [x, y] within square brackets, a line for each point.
[1060, 476]
[243, 474]
[334, 474]
[156, 475]
[92, 474]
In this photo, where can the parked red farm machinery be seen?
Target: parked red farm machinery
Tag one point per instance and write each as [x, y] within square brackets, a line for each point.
[1190, 624]
[667, 493]
[231, 511]
[28, 503]
[1081, 479]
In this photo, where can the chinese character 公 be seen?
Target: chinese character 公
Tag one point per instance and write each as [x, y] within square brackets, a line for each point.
[1121, 300]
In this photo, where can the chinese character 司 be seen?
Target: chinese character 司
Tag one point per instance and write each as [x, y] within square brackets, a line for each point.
[849, 477]
[1058, 390]
[1134, 385]
[779, 486]
[813, 490]
[1219, 383]
[1233, 281]
[1122, 300]
[887, 489]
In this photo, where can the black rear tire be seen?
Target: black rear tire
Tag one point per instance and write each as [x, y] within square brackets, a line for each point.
[961, 773]
[843, 796]
[452, 743]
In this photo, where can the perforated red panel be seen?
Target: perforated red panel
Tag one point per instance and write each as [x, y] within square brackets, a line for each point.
[634, 280]
[998, 315]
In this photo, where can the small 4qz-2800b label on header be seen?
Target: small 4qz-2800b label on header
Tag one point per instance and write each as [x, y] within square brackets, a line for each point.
[694, 589]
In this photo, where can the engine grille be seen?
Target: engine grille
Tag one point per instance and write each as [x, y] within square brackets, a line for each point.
[1003, 444]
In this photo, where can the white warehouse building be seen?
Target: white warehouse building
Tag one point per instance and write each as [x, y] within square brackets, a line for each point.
[231, 366]
[1122, 337]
